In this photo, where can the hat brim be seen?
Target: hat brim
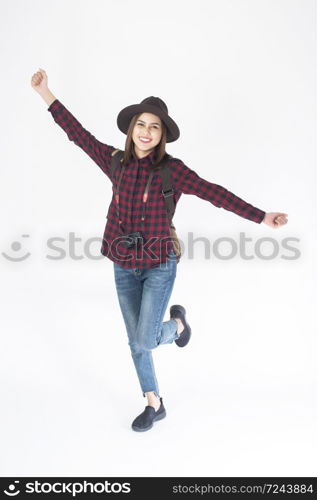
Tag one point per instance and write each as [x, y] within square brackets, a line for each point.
[127, 113]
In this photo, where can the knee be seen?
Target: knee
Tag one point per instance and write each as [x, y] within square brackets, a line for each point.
[134, 347]
[138, 346]
[146, 344]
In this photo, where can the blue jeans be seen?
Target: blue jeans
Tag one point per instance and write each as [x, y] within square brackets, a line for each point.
[143, 297]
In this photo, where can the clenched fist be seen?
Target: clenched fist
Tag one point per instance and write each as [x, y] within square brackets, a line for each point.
[39, 81]
[275, 219]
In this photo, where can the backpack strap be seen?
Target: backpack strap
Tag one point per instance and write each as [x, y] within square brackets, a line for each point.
[167, 189]
[168, 192]
[116, 159]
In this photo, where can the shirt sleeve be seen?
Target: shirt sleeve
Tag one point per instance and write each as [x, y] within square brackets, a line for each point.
[189, 182]
[99, 152]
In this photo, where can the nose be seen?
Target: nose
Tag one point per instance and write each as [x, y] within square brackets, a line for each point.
[145, 134]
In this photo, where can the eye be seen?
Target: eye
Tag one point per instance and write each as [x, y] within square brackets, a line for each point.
[141, 125]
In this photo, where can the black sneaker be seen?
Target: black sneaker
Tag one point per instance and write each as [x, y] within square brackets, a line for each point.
[177, 311]
[144, 421]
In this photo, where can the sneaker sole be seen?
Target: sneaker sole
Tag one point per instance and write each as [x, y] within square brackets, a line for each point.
[180, 340]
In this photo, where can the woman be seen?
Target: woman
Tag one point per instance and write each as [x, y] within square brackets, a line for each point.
[137, 236]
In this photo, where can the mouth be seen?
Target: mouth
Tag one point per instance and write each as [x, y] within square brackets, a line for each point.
[145, 140]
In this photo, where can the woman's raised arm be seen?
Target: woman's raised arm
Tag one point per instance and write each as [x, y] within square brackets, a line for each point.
[99, 152]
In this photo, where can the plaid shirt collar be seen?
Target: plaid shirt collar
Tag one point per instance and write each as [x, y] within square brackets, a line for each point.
[146, 159]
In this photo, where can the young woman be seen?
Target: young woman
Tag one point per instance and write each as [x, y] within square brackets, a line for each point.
[137, 236]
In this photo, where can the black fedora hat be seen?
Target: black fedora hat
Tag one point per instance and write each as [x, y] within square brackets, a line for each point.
[153, 105]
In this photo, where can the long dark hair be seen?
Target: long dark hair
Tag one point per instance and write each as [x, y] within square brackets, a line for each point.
[129, 144]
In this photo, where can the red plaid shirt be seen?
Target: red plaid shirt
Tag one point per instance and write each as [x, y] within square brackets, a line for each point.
[155, 227]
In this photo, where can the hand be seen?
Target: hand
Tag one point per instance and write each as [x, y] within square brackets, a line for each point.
[275, 219]
[39, 81]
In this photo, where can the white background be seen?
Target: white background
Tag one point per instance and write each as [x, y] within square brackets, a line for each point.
[239, 78]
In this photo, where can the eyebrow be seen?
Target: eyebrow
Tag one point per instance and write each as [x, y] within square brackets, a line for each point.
[153, 123]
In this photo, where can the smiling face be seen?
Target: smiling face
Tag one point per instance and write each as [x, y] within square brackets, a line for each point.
[147, 133]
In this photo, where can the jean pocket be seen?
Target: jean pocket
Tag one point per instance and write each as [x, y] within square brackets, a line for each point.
[171, 255]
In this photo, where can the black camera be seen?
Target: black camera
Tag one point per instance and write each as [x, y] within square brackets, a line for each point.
[131, 239]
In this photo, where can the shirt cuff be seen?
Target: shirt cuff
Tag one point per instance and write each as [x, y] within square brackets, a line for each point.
[53, 105]
[261, 216]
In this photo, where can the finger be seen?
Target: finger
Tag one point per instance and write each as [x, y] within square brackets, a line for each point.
[282, 222]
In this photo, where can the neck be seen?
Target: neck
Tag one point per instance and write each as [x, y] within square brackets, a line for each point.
[141, 154]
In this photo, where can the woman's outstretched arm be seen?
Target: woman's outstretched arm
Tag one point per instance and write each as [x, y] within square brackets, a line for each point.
[99, 152]
[189, 182]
